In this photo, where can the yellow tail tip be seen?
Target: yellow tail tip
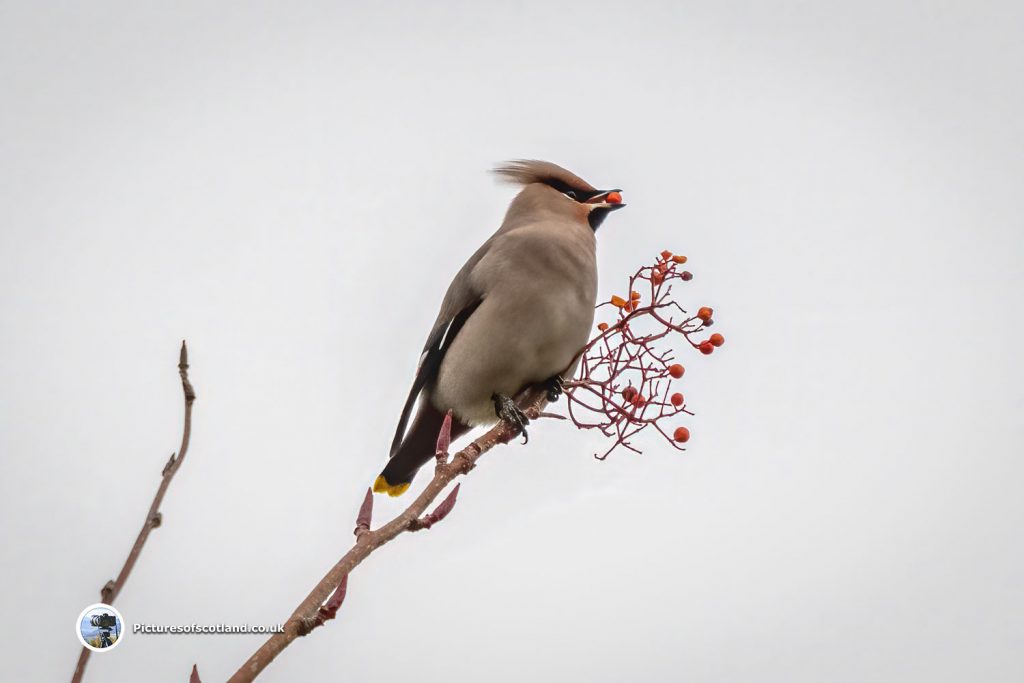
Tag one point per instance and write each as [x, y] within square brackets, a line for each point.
[381, 485]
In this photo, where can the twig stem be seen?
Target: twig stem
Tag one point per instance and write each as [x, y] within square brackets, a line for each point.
[153, 518]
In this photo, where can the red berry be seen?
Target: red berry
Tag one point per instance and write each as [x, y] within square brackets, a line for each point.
[676, 370]
[639, 401]
[682, 434]
[704, 313]
[679, 258]
[666, 255]
[677, 400]
[602, 326]
[716, 339]
[657, 278]
[686, 275]
[706, 347]
[630, 394]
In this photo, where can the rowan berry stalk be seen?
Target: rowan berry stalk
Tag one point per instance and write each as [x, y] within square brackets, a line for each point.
[626, 376]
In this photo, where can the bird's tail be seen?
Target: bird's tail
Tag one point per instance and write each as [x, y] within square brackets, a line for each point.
[417, 448]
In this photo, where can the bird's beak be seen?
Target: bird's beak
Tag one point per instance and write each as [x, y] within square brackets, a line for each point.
[609, 199]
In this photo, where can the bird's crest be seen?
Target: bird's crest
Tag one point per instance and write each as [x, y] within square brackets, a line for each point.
[526, 171]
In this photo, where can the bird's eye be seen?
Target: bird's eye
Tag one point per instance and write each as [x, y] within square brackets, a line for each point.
[571, 195]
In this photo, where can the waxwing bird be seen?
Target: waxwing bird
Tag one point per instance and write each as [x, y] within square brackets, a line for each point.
[516, 315]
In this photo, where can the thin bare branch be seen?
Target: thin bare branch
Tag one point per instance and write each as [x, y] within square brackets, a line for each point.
[112, 588]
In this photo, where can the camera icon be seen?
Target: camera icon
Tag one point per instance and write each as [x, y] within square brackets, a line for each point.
[100, 627]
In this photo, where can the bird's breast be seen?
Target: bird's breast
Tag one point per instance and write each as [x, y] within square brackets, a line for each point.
[534, 318]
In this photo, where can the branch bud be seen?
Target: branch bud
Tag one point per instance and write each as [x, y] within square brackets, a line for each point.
[444, 439]
[365, 516]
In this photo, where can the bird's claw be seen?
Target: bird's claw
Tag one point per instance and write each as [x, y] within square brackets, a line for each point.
[555, 387]
[506, 409]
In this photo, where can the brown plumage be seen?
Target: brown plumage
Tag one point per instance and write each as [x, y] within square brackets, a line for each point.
[516, 314]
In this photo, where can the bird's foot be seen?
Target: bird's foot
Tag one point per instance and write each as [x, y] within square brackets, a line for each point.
[507, 410]
[555, 387]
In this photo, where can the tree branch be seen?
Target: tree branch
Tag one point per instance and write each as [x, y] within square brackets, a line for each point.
[113, 587]
[621, 369]
[312, 612]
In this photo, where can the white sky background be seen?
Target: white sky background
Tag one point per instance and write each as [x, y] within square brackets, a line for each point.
[291, 186]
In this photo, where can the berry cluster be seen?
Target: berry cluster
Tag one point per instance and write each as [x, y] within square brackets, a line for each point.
[625, 381]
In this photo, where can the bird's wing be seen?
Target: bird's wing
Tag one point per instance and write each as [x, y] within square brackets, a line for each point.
[459, 303]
